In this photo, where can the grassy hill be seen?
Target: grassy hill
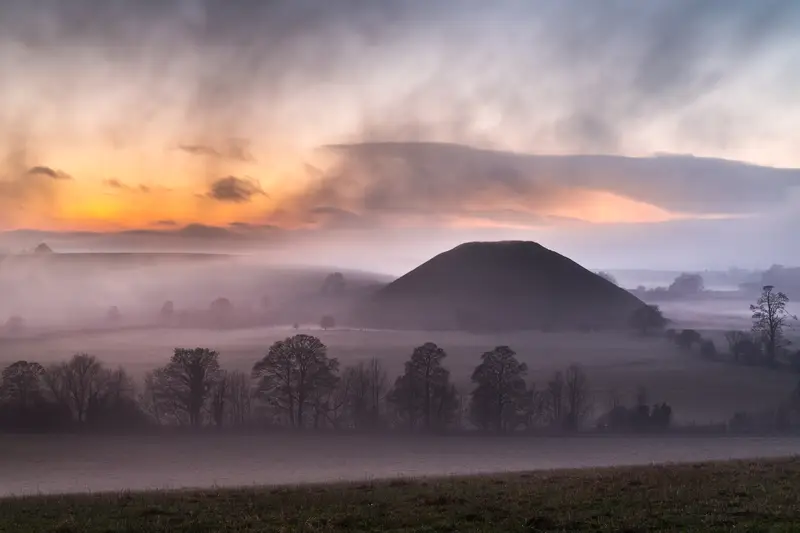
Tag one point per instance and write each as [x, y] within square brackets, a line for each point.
[740, 495]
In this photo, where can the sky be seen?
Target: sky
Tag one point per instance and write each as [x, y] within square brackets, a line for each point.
[374, 134]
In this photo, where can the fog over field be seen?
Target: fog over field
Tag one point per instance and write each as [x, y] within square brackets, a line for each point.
[312, 240]
[101, 463]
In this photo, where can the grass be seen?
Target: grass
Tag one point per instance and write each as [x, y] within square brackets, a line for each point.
[729, 496]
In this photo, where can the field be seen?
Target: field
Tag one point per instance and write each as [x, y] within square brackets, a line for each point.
[746, 496]
[616, 363]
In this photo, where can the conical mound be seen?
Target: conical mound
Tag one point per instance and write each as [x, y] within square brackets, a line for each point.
[490, 286]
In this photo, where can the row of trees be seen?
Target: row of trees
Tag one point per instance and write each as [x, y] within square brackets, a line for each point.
[766, 342]
[296, 384]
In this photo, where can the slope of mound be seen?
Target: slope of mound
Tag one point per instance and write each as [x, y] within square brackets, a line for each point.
[500, 286]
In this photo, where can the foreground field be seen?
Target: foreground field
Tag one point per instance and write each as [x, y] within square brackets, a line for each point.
[746, 496]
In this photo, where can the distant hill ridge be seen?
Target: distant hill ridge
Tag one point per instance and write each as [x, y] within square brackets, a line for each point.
[503, 285]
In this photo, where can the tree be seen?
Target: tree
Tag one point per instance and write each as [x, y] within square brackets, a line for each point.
[554, 400]
[688, 338]
[708, 349]
[221, 311]
[15, 324]
[113, 314]
[239, 395]
[770, 318]
[334, 284]
[364, 393]
[327, 322]
[734, 339]
[423, 394]
[578, 402]
[500, 391]
[292, 372]
[167, 310]
[608, 277]
[687, 285]
[75, 383]
[181, 389]
[21, 385]
[647, 318]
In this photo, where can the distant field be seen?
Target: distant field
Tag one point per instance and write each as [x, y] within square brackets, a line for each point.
[741, 496]
[616, 363]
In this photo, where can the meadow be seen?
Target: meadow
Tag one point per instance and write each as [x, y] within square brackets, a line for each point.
[743, 495]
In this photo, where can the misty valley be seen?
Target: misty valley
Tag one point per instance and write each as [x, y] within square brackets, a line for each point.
[139, 371]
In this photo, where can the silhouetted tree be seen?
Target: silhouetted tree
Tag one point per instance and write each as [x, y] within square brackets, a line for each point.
[292, 373]
[770, 318]
[113, 402]
[500, 391]
[221, 311]
[167, 310]
[113, 314]
[334, 284]
[239, 396]
[708, 349]
[73, 384]
[647, 318]
[21, 385]
[182, 388]
[578, 401]
[15, 324]
[687, 285]
[364, 390]
[423, 394]
[734, 338]
[688, 338]
[327, 322]
[554, 400]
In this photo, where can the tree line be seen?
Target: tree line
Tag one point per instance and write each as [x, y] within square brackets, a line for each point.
[295, 385]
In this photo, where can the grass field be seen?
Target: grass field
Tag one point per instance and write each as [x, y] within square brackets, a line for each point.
[740, 496]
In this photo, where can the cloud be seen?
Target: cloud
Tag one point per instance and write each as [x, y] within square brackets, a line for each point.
[434, 180]
[236, 190]
[48, 172]
[165, 223]
[232, 149]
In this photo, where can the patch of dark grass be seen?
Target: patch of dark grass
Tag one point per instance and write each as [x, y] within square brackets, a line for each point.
[745, 495]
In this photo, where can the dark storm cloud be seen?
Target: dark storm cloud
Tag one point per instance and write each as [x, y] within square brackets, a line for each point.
[236, 190]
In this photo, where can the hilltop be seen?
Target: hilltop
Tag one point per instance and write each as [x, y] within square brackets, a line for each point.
[509, 285]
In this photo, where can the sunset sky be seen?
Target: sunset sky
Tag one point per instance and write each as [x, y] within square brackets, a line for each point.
[619, 132]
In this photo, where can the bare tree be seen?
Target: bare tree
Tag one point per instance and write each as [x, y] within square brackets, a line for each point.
[292, 373]
[579, 404]
[364, 389]
[75, 383]
[554, 400]
[181, 389]
[770, 318]
[239, 396]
